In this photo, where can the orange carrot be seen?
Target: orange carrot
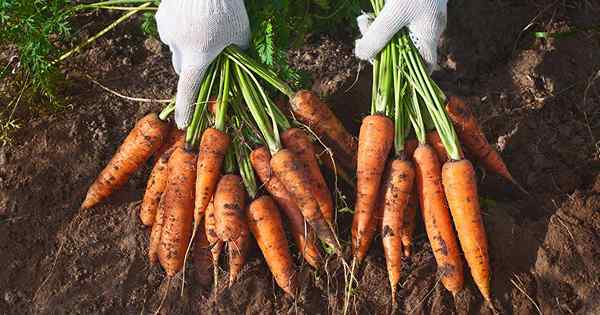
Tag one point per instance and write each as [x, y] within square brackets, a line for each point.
[408, 225]
[303, 235]
[310, 110]
[399, 186]
[238, 250]
[461, 190]
[158, 177]
[179, 210]
[156, 231]
[202, 258]
[266, 226]
[145, 138]
[434, 140]
[474, 140]
[230, 201]
[216, 244]
[374, 144]
[291, 173]
[298, 142]
[436, 216]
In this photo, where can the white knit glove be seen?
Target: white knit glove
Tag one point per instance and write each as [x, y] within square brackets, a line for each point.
[197, 31]
[425, 19]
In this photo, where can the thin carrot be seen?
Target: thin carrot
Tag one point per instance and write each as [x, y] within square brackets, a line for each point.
[291, 173]
[461, 190]
[298, 142]
[179, 210]
[216, 244]
[230, 202]
[145, 138]
[309, 109]
[238, 250]
[436, 216]
[156, 231]
[158, 177]
[302, 234]
[375, 142]
[397, 193]
[202, 258]
[266, 226]
[434, 140]
[408, 225]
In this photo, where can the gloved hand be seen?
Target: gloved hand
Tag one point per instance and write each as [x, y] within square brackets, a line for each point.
[196, 32]
[425, 19]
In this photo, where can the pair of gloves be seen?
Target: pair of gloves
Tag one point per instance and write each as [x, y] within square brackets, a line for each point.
[196, 32]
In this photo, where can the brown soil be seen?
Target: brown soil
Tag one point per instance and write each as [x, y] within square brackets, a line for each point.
[538, 100]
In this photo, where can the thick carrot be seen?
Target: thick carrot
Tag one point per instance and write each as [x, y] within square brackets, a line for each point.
[310, 110]
[298, 142]
[216, 244]
[238, 250]
[302, 234]
[400, 183]
[156, 231]
[179, 210]
[230, 202]
[473, 139]
[434, 140]
[266, 226]
[145, 138]
[202, 258]
[374, 144]
[436, 216]
[408, 225]
[291, 173]
[461, 190]
[158, 177]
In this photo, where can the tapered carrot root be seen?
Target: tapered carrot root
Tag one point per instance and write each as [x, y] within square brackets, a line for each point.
[298, 142]
[216, 244]
[266, 226]
[158, 177]
[408, 226]
[291, 173]
[397, 192]
[461, 190]
[179, 211]
[156, 231]
[474, 141]
[230, 202]
[202, 258]
[375, 141]
[436, 216]
[238, 250]
[310, 110]
[302, 234]
[434, 140]
[145, 138]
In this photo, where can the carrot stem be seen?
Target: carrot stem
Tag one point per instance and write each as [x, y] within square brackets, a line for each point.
[167, 110]
[223, 98]
[194, 129]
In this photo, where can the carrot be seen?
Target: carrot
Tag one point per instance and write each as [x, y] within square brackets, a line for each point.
[179, 210]
[436, 216]
[291, 173]
[474, 140]
[374, 144]
[266, 226]
[230, 200]
[408, 225]
[303, 235]
[332, 164]
[202, 258]
[461, 190]
[158, 177]
[238, 250]
[216, 244]
[145, 138]
[434, 140]
[310, 110]
[156, 231]
[401, 177]
[298, 142]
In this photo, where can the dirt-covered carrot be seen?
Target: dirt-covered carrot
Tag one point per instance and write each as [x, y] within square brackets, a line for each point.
[216, 244]
[301, 233]
[266, 226]
[298, 142]
[433, 139]
[461, 191]
[374, 145]
[158, 177]
[146, 137]
[408, 225]
[202, 258]
[179, 210]
[237, 251]
[310, 110]
[230, 202]
[155, 233]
